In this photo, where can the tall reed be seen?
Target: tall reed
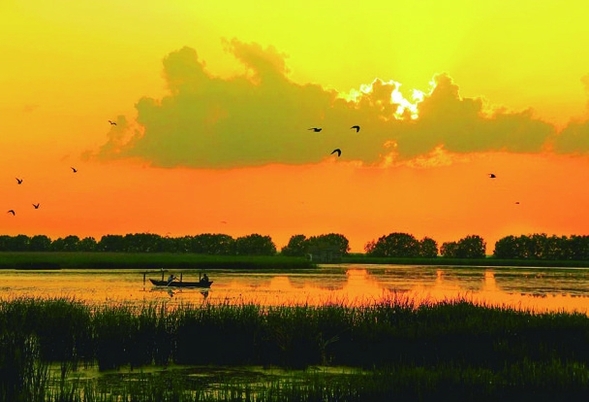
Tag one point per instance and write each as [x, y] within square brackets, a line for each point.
[397, 332]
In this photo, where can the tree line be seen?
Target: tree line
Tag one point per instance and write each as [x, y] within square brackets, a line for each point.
[393, 245]
[206, 243]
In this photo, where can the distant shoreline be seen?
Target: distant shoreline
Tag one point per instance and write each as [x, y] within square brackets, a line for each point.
[472, 262]
[46, 260]
[29, 260]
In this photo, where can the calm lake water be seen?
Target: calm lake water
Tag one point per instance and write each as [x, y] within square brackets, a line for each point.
[540, 289]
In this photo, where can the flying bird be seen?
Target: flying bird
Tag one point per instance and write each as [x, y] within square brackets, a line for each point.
[315, 129]
[339, 152]
[19, 181]
[112, 123]
[36, 205]
[74, 169]
[11, 211]
[357, 128]
[492, 175]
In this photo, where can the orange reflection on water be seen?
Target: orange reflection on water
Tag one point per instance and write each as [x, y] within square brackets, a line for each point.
[361, 288]
[354, 286]
[491, 295]
[358, 288]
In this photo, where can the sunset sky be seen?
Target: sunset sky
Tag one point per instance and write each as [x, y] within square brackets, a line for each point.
[213, 102]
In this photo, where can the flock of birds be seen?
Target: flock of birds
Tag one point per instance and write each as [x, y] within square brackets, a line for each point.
[20, 181]
[337, 150]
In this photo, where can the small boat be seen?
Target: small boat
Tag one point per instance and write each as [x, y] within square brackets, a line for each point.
[182, 284]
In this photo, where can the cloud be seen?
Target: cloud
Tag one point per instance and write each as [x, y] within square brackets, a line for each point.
[574, 138]
[262, 117]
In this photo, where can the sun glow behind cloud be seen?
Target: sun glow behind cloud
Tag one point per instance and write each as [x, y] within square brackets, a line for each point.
[262, 117]
[396, 98]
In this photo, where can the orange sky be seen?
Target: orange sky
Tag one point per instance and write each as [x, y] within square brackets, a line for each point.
[212, 119]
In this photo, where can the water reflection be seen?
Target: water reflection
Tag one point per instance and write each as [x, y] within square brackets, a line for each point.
[528, 288]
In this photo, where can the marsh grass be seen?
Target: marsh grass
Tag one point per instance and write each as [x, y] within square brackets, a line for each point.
[376, 335]
[410, 350]
[111, 260]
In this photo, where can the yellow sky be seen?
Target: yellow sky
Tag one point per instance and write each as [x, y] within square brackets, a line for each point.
[213, 102]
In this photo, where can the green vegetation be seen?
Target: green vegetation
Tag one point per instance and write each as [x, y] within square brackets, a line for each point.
[63, 260]
[533, 249]
[402, 245]
[543, 247]
[206, 243]
[405, 351]
[300, 245]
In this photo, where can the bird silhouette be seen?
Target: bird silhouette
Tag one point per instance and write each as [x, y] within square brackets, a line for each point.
[357, 128]
[492, 175]
[74, 169]
[36, 205]
[315, 129]
[19, 181]
[11, 211]
[112, 123]
[339, 152]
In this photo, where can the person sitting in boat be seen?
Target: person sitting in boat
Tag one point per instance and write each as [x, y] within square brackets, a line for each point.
[171, 278]
[204, 279]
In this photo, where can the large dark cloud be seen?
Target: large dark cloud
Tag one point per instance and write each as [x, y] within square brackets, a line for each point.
[262, 117]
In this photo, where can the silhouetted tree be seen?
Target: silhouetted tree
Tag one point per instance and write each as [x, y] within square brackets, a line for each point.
[5, 243]
[394, 245]
[541, 246]
[428, 248]
[449, 249]
[14, 243]
[472, 246]
[68, 243]
[297, 246]
[507, 248]
[213, 244]
[579, 247]
[87, 244]
[143, 243]
[40, 243]
[369, 247]
[338, 242]
[111, 243]
[255, 244]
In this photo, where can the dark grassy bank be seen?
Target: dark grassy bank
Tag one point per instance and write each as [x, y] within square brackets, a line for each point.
[409, 352]
[482, 262]
[106, 260]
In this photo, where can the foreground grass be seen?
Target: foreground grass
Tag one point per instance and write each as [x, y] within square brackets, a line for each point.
[405, 351]
[393, 332]
[64, 260]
